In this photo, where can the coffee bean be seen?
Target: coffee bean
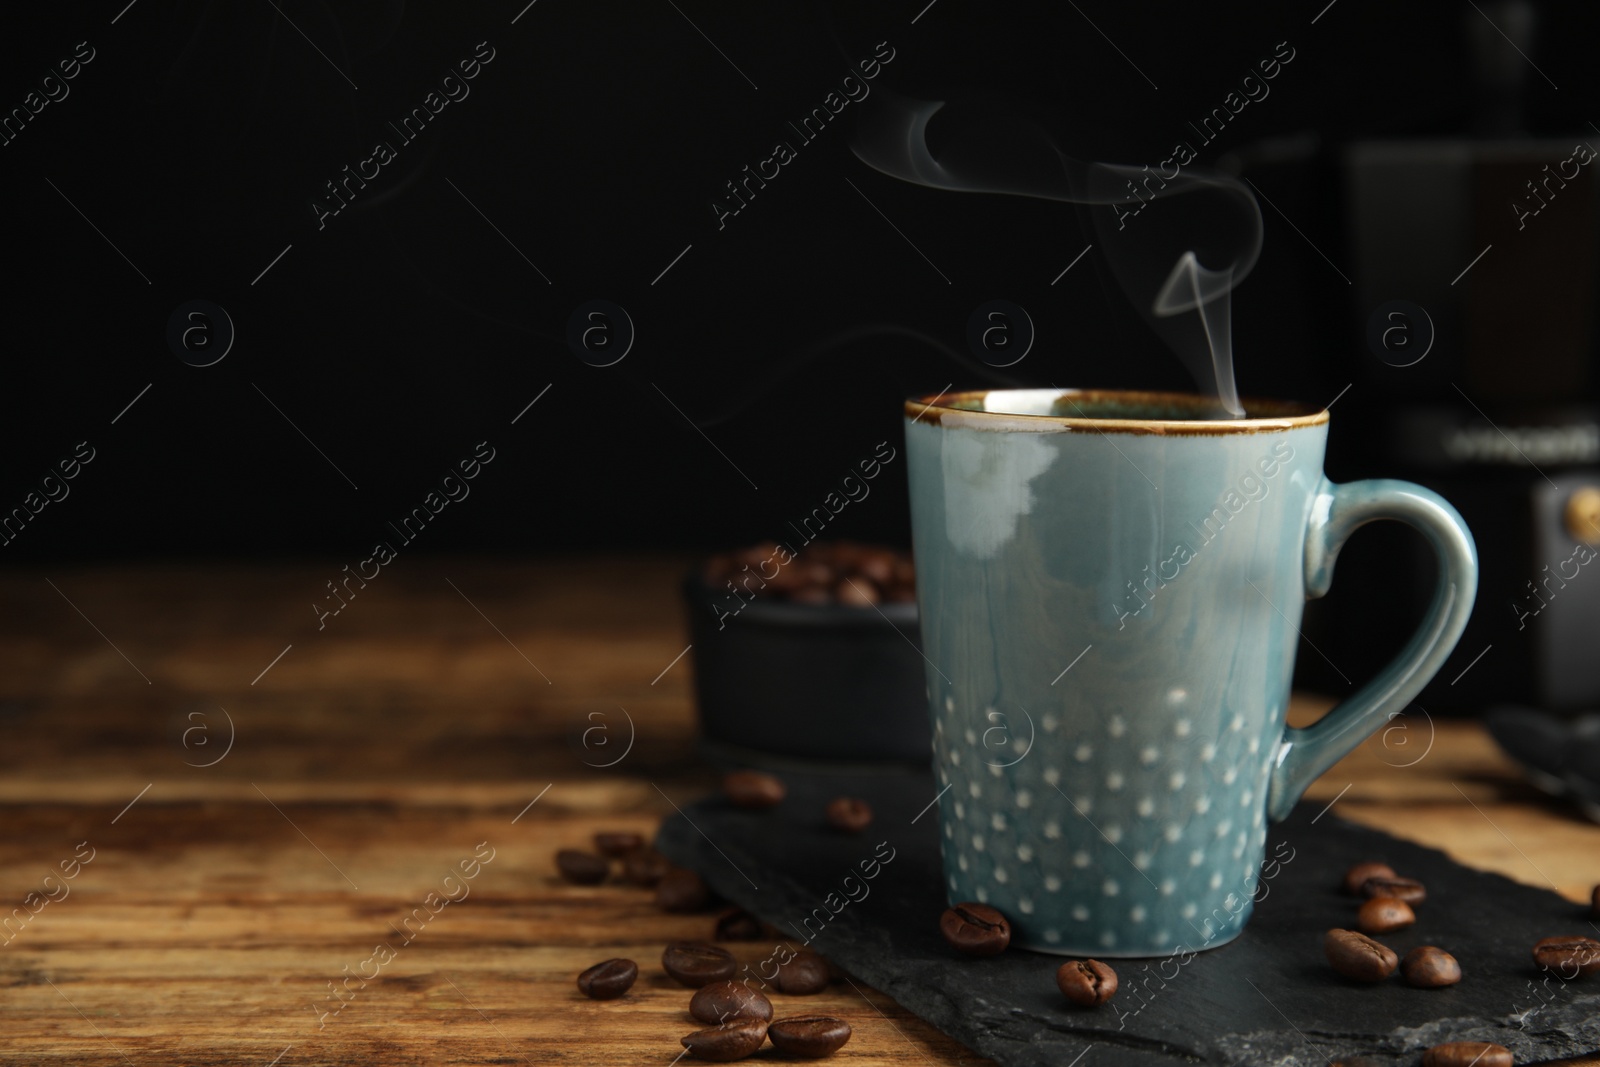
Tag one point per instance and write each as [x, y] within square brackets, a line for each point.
[681, 890]
[733, 1040]
[809, 1037]
[1430, 967]
[753, 789]
[720, 1001]
[1087, 982]
[857, 592]
[1568, 956]
[582, 868]
[617, 842]
[1407, 889]
[818, 575]
[608, 980]
[696, 963]
[756, 555]
[736, 924]
[1467, 1054]
[1356, 875]
[807, 973]
[849, 814]
[645, 867]
[1382, 915]
[1358, 956]
[976, 929]
[877, 568]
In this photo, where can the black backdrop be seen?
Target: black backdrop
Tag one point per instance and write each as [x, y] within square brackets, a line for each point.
[419, 320]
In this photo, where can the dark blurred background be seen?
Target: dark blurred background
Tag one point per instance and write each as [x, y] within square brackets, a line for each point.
[390, 338]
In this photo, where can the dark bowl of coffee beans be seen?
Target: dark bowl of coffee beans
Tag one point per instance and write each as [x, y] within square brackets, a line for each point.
[811, 655]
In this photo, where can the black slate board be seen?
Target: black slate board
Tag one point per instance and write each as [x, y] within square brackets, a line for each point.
[1267, 998]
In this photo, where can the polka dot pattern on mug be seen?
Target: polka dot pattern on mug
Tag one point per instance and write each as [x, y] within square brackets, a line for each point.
[1148, 837]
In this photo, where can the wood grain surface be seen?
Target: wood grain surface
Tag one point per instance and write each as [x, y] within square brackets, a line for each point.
[440, 716]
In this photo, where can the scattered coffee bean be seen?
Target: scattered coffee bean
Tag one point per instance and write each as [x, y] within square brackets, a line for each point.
[1087, 982]
[809, 1037]
[733, 1040]
[807, 973]
[736, 924]
[1568, 956]
[1382, 915]
[753, 789]
[1358, 874]
[849, 814]
[1430, 967]
[1407, 889]
[721, 1001]
[696, 963]
[976, 929]
[682, 890]
[1467, 1054]
[1358, 956]
[608, 980]
[645, 867]
[617, 842]
[582, 868]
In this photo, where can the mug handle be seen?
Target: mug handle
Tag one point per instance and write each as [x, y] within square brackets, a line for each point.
[1336, 511]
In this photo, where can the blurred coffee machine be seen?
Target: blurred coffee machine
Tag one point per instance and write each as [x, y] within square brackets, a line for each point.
[1476, 271]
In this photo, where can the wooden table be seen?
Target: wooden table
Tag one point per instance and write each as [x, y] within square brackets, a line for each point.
[437, 716]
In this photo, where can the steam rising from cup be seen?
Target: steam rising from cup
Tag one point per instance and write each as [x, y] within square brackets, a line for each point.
[1203, 239]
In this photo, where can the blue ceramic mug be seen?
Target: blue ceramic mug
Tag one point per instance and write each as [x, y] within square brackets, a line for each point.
[1110, 588]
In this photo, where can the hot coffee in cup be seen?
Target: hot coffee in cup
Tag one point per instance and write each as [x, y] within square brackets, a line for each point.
[1110, 588]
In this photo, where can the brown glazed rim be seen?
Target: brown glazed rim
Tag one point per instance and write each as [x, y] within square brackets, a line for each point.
[1278, 415]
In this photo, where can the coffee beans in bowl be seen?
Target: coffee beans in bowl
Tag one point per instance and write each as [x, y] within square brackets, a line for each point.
[721, 1001]
[823, 572]
[608, 980]
[1467, 1054]
[1568, 956]
[696, 963]
[1087, 982]
[976, 929]
[733, 1040]
[1430, 967]
[1355, 955]
[809, 655]
[582, 868]
[808, 1037]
